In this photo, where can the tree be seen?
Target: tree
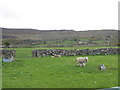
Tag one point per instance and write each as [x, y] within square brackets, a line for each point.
[7, 44]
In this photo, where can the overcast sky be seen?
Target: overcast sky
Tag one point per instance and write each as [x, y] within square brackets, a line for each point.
[59, 14]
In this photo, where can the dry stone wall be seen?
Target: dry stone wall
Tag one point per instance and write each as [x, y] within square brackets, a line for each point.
[73, 52]
[6, 53]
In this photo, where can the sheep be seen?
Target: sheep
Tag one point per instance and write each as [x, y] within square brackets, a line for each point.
[82, 61]
[56, 55]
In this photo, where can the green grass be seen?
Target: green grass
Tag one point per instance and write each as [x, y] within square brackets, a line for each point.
[48, 72]
[0, 77]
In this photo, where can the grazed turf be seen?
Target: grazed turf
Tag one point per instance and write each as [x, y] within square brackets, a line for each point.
[48, 72]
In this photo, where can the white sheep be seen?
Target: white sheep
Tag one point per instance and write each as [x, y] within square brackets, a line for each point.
[82, 61]
[56, 56]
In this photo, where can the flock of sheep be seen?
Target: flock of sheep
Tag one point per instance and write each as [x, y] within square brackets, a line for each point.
[81, 61]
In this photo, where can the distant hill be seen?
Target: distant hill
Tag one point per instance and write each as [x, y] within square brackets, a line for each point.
[35, 34]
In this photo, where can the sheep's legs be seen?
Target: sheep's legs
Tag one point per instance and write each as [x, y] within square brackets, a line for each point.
[81, 64]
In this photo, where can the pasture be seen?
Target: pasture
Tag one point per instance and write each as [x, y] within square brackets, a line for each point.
[59, 72]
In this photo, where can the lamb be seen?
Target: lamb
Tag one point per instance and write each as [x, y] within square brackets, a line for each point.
[56, 55]
[82, 61]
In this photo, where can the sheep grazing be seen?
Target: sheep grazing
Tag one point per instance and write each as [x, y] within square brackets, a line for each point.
[82, 61]
[56, 56]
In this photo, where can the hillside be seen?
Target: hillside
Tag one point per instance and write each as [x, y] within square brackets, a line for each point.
[35, 34]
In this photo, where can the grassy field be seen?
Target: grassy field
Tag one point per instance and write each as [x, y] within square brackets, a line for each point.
[74, 47]
[0, 76]
[48, 72]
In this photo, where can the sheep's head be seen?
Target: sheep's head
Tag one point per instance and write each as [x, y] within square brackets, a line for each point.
[86, 59]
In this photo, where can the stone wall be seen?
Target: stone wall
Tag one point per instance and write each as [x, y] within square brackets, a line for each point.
[6, 53]
[73, 52]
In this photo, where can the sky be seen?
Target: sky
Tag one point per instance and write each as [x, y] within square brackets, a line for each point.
[77, 15]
